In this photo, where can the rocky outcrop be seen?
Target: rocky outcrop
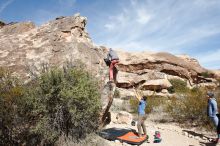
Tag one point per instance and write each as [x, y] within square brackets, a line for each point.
[144, 63]
[187, 58]
[17, 28]
[216, 73]
[122, 117]
[152, 71]
[27, 49]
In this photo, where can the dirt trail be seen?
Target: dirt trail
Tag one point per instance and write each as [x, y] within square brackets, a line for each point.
[172, 135]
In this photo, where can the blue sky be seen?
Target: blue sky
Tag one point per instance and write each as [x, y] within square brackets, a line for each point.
[177, 26]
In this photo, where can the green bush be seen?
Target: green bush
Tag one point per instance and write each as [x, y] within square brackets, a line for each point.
[60, 102]
[117, 93]
[178, 86]
[65, 102]
[133, 104]
[11, 104]
[190, 109]
[207, 74]
[154, 102]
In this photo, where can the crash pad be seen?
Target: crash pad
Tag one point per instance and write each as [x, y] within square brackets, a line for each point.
[129, 136]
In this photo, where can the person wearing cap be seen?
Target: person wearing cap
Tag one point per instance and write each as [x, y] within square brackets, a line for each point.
[113, 57]
[212, 112]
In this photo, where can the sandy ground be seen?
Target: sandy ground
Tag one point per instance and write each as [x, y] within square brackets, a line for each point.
[172, 135]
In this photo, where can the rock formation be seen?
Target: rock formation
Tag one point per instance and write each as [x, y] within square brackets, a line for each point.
[152, 71]
[26, 49]
[217, 73]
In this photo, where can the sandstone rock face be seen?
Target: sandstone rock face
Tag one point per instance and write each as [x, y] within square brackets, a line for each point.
[187, 58]
[27, 49]
[152, 71]
[17, 28]
[123, 117]
[216, 73]
[156, 84]
[143, 63]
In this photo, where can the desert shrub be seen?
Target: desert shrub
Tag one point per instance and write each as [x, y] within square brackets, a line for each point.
[171, 90]
[207, 74]
[178, 86]
[218, 79]
[190, 109]
[11, 108]
[65, 102]
[117, 93]
[133, 104]
[153, 102]
[59, 102]
[217, 94]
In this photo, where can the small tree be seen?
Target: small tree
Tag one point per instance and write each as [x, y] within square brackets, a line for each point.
[65, 102]
[191, 109]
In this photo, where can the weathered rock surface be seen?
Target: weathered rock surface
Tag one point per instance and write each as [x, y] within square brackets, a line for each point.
[152, 71]
[17, 28]
[143, 63]
[123, 117]
[27, 49]
[216, 73]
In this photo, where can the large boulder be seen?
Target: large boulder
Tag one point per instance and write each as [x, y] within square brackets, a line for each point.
[156, 85]
[124, 117]
[26, 49]
[151, 71]
[216, 73]
[160, 62]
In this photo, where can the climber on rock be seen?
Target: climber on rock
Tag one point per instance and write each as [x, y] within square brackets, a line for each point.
[111, 60]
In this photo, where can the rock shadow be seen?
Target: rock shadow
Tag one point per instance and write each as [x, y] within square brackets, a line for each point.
[207, 144]
[196, 134]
